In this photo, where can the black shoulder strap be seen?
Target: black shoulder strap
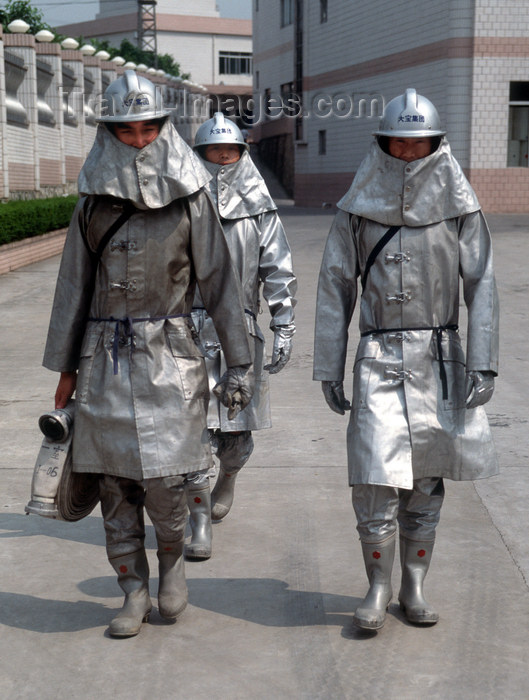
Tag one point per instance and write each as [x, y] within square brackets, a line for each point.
[128, 211]
[376, 250]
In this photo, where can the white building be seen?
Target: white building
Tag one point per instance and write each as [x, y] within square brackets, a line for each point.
[323, 71]
[217, 52]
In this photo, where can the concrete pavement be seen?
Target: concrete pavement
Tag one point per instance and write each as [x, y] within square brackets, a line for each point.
[270, 614]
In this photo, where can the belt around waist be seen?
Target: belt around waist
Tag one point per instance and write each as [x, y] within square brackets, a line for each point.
[439, 336]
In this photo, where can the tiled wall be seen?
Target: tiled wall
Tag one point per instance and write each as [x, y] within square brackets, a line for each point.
[461, 54]
[42, 156]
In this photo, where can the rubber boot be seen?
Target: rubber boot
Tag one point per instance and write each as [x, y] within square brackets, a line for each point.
[415, 560]
[378, 559]
[199, 502]
[222, 494]
[133, 578]
[172, 590]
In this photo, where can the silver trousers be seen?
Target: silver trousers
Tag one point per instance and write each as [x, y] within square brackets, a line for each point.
[417, 511]
[232, 450]
[123, 502]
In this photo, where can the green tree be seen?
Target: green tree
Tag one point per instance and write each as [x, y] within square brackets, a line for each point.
[23, 9]
[129, 52]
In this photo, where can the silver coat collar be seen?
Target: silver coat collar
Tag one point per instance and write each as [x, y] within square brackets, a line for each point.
[395, 193]
[239, 189]
[151, 177]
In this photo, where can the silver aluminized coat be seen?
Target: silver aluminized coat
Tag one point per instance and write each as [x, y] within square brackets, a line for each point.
[261, 254]
[401, 428]
[149, 418]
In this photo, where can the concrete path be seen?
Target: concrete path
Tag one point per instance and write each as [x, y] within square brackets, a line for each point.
[270, 614]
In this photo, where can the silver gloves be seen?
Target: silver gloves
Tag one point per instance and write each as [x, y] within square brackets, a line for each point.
[235, 389]
[335, 397]
[282, 348]
[479, 388]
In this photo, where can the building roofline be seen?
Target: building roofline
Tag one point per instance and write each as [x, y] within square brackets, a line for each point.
[187, 24]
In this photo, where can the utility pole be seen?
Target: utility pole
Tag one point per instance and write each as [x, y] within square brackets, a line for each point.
[147, 28]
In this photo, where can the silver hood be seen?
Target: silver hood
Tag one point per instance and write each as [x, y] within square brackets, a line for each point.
[151, 177]
[395, 193]
[239, 189]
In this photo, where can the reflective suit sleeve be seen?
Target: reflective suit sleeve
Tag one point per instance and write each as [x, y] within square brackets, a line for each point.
[72, 298]
[217, 280]
[480, 293]
[275, 269]
[337, 292]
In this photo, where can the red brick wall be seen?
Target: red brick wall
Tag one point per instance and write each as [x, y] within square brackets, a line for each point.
[21, 176]
[50, 171]
[501, 191]
[73, 167]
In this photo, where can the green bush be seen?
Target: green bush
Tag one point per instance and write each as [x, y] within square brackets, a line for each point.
[24, 219]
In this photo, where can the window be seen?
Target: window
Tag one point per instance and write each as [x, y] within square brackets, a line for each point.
[287, 12]
[323, 11]
[257, 80]
[517, 146]
[322, 143]
[235, 63]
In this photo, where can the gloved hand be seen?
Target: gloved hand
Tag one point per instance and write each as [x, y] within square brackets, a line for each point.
[335, 397]
[479, 388]
[282, 348]
[235, 389]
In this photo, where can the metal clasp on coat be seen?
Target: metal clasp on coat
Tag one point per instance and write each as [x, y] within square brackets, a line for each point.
[211, 349]
[123, 245]
[398, 337]
[125, 285]
[396, 374]
[397, 257]
[398, 298]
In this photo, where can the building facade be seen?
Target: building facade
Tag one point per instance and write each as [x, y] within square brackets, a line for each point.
[324, 70]
[216, 52]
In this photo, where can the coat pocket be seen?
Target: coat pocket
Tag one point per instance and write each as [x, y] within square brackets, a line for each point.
[366, 354]
[86, 361]
[189, 363]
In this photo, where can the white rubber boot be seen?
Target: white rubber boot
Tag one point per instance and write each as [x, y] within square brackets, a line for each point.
[133, 578]
[222, 494]
[415, 560]
[172, 590]
[378, 559]
[199, 503]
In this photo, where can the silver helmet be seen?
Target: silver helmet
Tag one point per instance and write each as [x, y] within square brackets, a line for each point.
[219, 129]
[131, 98]
[410, 116]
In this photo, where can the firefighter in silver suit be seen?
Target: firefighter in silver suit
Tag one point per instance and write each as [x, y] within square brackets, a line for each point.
[262, 259]
[143, 235]
[407, 230]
